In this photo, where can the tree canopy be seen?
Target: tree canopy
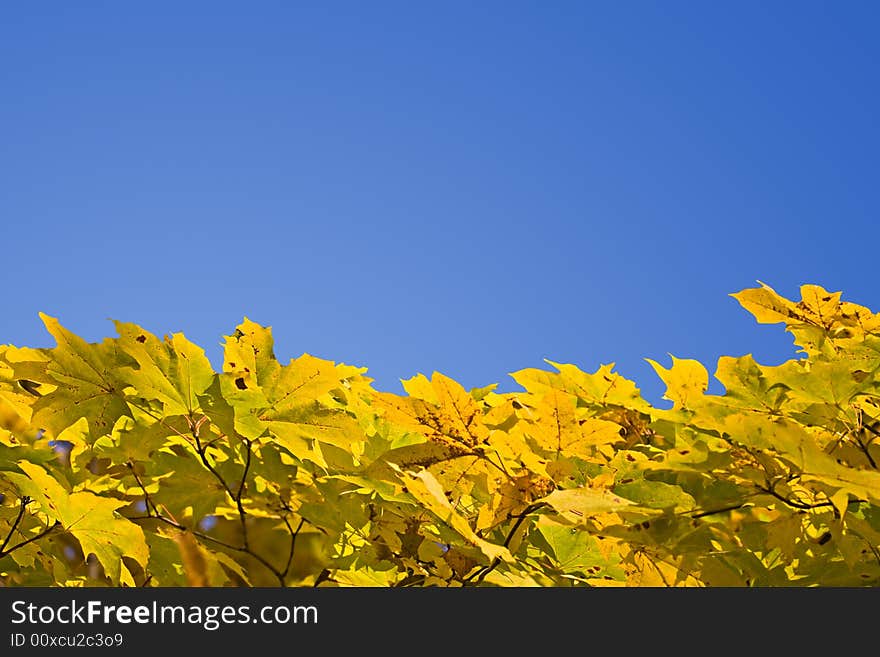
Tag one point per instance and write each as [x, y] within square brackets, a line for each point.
[132, 462]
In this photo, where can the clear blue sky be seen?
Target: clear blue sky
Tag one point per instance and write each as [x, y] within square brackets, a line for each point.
[462, 186]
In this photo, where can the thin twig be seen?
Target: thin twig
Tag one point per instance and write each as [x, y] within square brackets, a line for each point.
[247, 466]
[293, 534]
[481, 574]
[205, 537]
[867, 452]
[235, 496]
[204, 459]
[3, 553]
[25, 500]
[147, 501]
[216, 541]
[732, 507]
[797, 504]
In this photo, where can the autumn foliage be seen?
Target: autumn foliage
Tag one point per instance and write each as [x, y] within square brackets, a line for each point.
[131, 462]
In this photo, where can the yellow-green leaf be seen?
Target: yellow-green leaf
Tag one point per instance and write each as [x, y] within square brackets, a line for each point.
[88, 383]
[579, 504]
[174, 371]
[91, 519]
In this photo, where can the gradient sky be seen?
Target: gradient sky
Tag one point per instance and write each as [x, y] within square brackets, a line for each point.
[467, 187]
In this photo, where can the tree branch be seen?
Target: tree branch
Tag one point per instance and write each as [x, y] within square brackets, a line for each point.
[154, 514]
[235, 497]
[200, 449]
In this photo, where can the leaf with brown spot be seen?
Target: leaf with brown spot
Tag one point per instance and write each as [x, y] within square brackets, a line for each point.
[456, 420]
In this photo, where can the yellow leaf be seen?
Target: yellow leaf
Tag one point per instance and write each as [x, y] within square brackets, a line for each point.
[455, 421]
[460, 410]
[559, 429]
[420, 386]
[824, 306]
[578, 504]
[427, 490]
[604, 387]
[819, 317]
[859, 318]
[365, 576]
[686, 381]
[194, 567]
[840, 500]
[766, 305]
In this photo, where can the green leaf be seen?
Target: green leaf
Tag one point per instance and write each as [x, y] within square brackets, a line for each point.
[574, 551]
[185, 483]
[656, 495]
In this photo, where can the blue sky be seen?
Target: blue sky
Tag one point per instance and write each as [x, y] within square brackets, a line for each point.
[454, 186]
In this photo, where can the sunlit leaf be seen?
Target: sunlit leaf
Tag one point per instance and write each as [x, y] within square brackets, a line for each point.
[92, 520]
